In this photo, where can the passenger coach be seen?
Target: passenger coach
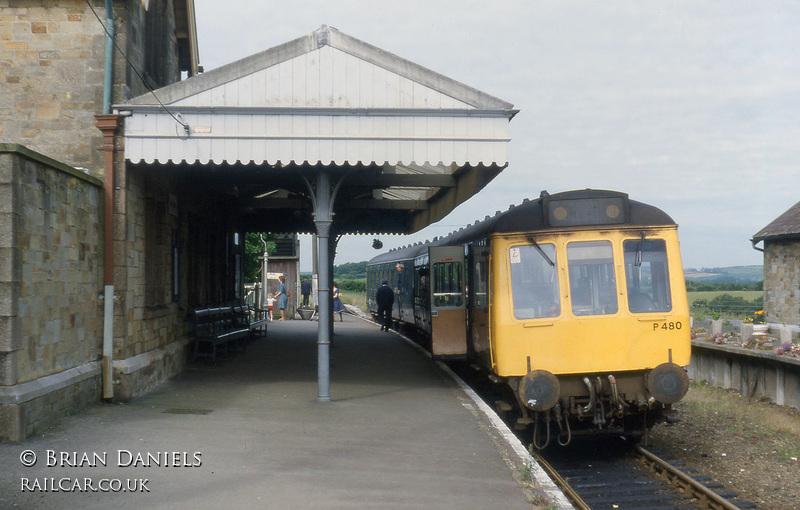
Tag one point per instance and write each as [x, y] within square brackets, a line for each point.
[574, 302]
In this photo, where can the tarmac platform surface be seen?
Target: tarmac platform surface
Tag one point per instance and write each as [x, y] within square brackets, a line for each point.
[248, 432]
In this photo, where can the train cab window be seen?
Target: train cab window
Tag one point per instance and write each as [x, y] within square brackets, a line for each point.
[534, 281]
[647, 275]
[448, 285]
[592, 283]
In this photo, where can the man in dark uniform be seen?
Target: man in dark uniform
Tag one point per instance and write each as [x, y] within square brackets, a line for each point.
[385, 299]
[305, 290]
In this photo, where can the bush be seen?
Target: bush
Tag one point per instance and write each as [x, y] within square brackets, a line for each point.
[353, 285]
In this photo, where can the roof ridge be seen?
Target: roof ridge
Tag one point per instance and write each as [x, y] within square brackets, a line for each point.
[324, 36]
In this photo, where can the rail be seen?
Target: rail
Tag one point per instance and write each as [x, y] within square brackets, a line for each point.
[707, 498]
[562, 484]
[692, 491]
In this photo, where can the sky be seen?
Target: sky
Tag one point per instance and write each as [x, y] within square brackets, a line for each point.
[691, 106]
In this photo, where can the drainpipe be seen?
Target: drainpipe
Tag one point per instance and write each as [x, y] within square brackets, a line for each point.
[108, 124]
[109, 68]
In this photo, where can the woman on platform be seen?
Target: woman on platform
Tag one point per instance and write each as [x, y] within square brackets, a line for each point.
[337, 302]
[282, 295]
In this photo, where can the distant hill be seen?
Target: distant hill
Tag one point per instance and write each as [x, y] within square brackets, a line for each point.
[734, 274]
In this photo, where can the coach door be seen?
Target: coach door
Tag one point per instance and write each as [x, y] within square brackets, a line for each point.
[448, 301]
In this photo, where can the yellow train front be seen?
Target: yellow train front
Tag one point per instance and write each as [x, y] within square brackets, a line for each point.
[575, 303]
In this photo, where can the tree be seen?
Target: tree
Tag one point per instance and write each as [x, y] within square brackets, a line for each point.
[351, 270]
[253, 249]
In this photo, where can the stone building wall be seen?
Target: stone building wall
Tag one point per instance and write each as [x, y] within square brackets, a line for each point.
[782, 281]
[52, 59]
[51, 323]
[161, 228]
[52, 56]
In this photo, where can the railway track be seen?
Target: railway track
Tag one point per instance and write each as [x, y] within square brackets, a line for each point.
[612, 475]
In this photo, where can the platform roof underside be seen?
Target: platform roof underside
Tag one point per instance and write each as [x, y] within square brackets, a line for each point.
[406, 144]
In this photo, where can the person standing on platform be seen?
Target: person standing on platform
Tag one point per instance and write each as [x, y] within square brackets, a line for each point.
[384, 296]
[282, 295]
[338, 307]
[305, 290]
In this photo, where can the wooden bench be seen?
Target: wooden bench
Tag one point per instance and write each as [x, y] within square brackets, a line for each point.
[215, 328]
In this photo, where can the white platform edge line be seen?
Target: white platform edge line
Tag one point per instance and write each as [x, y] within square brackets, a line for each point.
[548, 486]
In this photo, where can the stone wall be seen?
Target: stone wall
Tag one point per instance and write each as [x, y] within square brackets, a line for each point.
[164, 235]
[50, 282]
[52, 57]
[52, 61]
[782, 281]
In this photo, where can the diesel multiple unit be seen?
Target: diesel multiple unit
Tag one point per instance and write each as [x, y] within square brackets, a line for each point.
[575, 303]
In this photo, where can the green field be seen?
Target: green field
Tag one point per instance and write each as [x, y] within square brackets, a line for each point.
[358, 299]
[737, 304]
[747, 295]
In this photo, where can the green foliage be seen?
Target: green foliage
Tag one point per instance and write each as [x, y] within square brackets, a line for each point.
[351, 271]
[254, 248]
[352, 285]
[351, 276]
[695, 286]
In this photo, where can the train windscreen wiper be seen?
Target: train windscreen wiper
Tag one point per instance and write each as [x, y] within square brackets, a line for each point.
[639, 250]
[541, 251]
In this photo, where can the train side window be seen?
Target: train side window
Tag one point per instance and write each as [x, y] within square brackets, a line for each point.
[647, 275]
[534, 281]
[448, 284]
[592, 282]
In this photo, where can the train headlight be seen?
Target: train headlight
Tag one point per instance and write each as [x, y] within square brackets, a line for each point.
[539, 390]
[668, 383]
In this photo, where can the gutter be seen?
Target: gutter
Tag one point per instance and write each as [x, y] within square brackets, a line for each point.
[109, 61]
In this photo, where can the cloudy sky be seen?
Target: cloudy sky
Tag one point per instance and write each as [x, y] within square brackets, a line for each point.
[693, 106]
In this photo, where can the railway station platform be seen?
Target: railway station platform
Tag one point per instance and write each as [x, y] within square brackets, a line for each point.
[248, 432]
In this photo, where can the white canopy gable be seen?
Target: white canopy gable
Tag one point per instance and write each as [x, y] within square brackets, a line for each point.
[412, 143]
[325, 98]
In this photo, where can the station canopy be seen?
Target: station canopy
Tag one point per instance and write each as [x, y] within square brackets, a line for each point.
[403, 145]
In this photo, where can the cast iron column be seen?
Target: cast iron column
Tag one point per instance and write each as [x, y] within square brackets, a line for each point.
[322, 220]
